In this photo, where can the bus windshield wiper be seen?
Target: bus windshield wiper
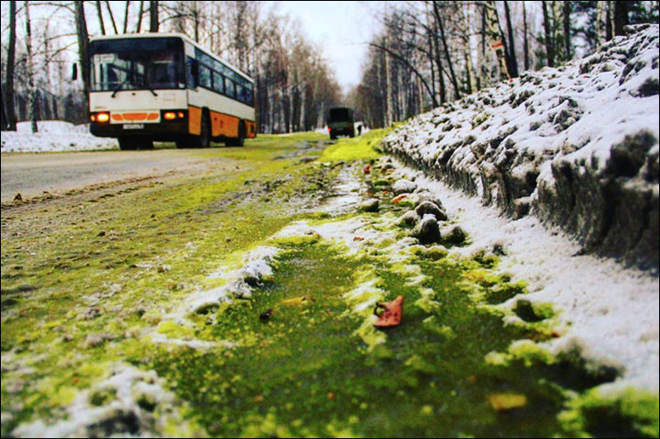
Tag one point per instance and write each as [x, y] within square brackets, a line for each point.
[152, 90]
[119, 87]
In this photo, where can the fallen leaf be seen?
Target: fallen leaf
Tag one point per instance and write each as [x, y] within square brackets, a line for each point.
[396, 200]
[358, 238]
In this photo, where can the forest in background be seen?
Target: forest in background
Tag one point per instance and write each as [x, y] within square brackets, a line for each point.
[432, 52]
[41, 40]
[427, 52]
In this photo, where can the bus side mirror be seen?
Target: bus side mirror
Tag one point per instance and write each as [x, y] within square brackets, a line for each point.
[74, 72]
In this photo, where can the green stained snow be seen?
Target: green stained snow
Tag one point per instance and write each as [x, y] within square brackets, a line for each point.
[86, 285]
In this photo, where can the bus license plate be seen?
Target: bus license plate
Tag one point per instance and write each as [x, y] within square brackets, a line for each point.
[133, 126]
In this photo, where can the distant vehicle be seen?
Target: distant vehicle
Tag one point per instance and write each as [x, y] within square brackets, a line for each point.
[166, 87]
[340, 122]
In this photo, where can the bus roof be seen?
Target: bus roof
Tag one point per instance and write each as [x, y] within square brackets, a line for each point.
[176, 35]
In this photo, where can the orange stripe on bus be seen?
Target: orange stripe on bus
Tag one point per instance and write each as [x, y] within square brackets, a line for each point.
[135, 117]
[223, 125]
[194, 120]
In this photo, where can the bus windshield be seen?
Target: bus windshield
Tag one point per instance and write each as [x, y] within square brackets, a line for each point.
[118, 65]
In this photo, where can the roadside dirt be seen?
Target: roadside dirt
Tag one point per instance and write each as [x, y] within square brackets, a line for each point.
[39, 177]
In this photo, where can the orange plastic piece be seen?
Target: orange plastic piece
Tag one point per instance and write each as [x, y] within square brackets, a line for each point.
[392, 313]
[396, 200]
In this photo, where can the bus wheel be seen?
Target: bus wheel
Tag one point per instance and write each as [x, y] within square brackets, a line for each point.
[240, 140]
[205, 132]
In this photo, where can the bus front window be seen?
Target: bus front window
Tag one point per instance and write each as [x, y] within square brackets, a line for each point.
[136, 71]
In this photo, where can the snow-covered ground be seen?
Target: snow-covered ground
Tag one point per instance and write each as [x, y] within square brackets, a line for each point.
[54, 136]
[576, 145]
[610, 313]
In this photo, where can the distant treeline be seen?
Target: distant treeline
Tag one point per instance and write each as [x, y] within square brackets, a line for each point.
[432, 52]
[42, 39]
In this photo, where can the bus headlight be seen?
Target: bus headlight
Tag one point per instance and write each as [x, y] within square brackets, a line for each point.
[173, 114]
[101, 117]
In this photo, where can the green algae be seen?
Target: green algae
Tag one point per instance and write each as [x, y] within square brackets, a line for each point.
[621, 413]
[314, 369]
[308, 371]
[363, 147]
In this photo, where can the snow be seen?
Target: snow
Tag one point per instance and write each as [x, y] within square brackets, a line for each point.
[53, 136]
[130, 385]
[511, 141]
[610, 312]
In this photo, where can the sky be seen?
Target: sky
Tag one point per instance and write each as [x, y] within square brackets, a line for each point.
[341, 28]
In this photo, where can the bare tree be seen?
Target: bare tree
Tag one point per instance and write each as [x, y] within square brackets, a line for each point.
[99, 13]
[568, 49]
[512, 62]
[549, 39]
[11, 65]
[525, 37]
[138, 25]
[621, 18]
[32, 91]
[112, 17]
[126, 11]
[153, 16]
[83, 50]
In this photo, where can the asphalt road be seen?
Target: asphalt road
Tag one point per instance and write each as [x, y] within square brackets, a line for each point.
[33, 174]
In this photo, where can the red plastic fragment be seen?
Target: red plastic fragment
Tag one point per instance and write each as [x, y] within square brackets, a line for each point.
[391, 315]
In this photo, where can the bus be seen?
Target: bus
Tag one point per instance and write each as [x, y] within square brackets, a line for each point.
[166, 87]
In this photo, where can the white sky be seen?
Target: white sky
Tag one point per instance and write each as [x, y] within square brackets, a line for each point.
[341, 28]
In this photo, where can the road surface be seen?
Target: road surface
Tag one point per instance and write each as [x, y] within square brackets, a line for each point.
[33, 174]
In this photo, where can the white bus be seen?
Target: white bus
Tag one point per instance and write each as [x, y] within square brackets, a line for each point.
[165, 87]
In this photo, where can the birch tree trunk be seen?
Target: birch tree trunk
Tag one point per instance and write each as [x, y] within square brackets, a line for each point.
[32, 92]
[388, 88]
[494, 31]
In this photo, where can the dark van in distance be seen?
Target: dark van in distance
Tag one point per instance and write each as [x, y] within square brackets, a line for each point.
[340, 122]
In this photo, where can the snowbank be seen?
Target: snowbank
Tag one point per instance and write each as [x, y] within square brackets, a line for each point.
[53, 136]
[577, 146]
[610, 313]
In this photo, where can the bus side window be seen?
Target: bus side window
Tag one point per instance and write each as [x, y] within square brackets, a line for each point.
[205, 77]
[218, 84]
[231, 89]
[192, 72]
